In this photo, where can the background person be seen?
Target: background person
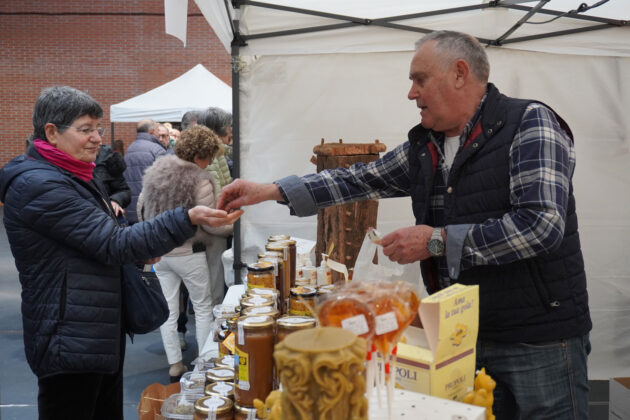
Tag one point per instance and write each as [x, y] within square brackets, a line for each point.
[69, 251]
[109, 169]
[140, 154]
[170, 182]
[490, 179]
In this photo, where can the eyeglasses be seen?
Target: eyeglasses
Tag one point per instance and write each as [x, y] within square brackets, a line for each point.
[86, 131]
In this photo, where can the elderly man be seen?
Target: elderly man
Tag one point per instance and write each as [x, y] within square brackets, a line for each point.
[490, 178]
[140, 155]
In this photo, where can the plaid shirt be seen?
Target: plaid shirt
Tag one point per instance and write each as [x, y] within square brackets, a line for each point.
[542, 161]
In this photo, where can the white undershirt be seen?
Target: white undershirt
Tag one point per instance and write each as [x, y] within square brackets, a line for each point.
[451, 145]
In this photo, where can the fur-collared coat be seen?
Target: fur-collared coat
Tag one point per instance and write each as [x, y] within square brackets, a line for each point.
[172, 182]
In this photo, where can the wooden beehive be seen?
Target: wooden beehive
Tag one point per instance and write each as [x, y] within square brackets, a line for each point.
[344, 225]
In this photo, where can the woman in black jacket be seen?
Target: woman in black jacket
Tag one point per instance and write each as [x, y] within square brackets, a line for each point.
[68, 249]
[109, 168]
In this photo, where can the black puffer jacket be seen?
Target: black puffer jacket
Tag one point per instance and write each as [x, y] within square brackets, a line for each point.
[68, 250]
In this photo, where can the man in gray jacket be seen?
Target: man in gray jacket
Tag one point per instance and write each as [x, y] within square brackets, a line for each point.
[140, 155]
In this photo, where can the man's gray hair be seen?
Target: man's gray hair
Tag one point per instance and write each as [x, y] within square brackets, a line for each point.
[452, 46]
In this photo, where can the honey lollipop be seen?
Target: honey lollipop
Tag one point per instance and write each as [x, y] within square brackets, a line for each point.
[345, 310]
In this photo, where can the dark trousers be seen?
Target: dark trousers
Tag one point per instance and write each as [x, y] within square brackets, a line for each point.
[81, 396]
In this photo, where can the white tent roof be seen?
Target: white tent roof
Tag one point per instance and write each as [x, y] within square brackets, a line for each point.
[370, 25]
[196, 89]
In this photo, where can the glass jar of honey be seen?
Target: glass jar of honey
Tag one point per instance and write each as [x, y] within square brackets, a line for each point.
[292, 254]
[289, 323]
[254, 358]
[217, 374]
[224, 389]
[213, 407]
[257, 301]
[283, 279]
[225, 361]
[302, 301]
[262, 310]
[260, 274]
[244, 413]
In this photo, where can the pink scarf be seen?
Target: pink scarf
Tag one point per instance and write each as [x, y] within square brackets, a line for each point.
[58, 158]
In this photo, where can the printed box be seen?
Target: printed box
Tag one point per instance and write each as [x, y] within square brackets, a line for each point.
[439, 360]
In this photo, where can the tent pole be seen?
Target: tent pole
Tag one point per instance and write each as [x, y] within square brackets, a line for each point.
[236, 149]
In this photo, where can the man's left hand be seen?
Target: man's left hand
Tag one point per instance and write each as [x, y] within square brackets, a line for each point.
[408, 244]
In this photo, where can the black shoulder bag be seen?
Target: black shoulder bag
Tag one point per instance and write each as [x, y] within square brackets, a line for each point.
[144, 305]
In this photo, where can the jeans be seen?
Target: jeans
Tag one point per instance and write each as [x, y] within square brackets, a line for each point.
[538, 381]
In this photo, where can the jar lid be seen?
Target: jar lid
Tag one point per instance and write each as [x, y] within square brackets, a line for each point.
[257, 300]
[263, 291]
[224, 389]
[303, 291]
[290, 242]
[253, 322]
[219, 374]
[296, 322]
[262, 310]
[225, 361]
[270, 254]
[276, 238]
[245, 410]
[216, 403]
[260, 266]
[276, 246]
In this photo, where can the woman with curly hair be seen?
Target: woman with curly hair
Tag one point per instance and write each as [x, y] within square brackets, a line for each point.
[181, 180]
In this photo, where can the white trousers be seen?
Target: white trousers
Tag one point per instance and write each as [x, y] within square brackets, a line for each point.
[214, 250]
[193, 271]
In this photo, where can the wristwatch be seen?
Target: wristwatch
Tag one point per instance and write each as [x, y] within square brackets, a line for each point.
[435, 245]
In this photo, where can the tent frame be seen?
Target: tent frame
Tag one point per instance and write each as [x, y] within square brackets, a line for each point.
[239, 40]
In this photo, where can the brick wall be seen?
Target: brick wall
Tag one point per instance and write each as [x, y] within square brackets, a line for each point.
[112, 57]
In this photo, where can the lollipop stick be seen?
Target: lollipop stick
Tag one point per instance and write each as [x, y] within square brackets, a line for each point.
[390, 387]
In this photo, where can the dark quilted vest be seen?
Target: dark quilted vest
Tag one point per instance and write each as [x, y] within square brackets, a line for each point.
[537, 299]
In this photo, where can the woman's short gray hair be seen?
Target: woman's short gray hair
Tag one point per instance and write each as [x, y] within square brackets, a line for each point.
[452, 46]
[61, 105]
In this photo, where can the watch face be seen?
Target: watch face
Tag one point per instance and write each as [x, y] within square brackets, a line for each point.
[435, 247]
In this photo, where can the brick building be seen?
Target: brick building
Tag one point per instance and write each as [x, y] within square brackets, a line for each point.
[113, 49]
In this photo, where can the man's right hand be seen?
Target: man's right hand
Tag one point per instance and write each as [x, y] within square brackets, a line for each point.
[243, 193]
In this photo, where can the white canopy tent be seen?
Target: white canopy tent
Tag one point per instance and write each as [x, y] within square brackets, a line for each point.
[340, 70]
[196, 89]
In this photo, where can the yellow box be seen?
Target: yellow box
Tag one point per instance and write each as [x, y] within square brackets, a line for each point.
[440, 360]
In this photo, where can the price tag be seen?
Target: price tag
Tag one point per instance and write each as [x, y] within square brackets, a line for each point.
[385, 323]
[357, 324]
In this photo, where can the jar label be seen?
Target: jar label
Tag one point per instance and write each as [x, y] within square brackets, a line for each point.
[242, 380]
[385, 323]
[296, 321]
[241, 333]
[228, 360]
[213, 403]
[223, 373]
[222, 388]
[357, 324]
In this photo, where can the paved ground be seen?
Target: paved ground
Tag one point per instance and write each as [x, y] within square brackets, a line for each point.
[145, 359]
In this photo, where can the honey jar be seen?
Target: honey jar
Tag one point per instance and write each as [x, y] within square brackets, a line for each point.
[244, 413]
[302, 301]
[217, 374]
[289, 323]
[223, 389]
[257, 301]
[254, 358]
[283, 279]
[225, 361]
[260, 274]
[262, 310]
[213, 407]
